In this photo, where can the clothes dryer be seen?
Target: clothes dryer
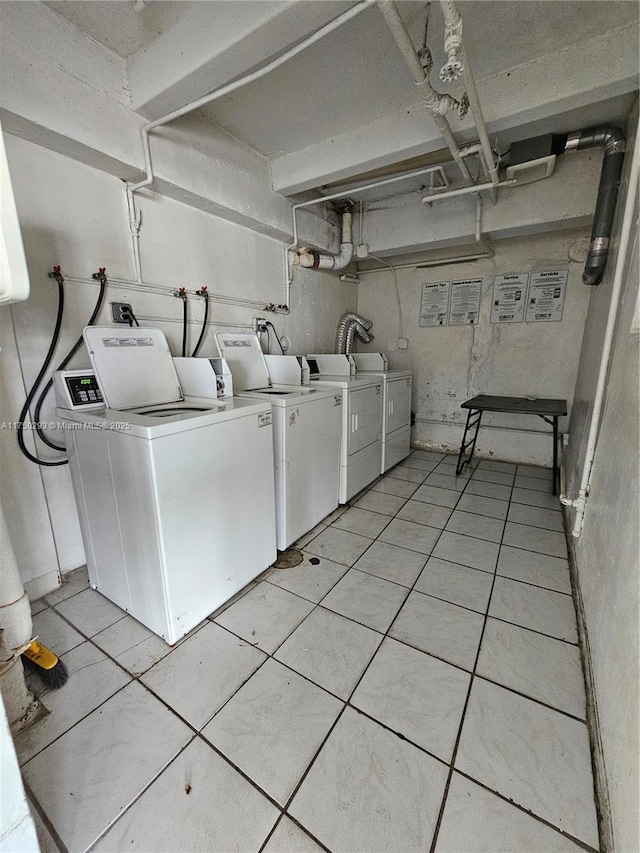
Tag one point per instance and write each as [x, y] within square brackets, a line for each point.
[306, 434]
[361, 446]
[175, 494]
[396, 417]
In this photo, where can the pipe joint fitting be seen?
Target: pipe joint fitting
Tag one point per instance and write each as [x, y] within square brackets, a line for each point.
[15, 624]
[426, 60]
[453, 67]
[446, 104]
[307, 258]
[615, 146]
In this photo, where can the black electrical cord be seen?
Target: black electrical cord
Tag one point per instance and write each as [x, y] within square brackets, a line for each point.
[45, 366]
[185, 320]
[131, 317]
[270, 325]
[203, 330]
[65, 361]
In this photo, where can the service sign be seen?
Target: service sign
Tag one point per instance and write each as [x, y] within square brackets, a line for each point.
[547, 290]
[464, 305]
[434, 305]
[509, 298]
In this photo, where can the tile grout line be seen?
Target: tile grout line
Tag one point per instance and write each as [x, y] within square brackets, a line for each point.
[196, 732]
[34, 804]
[268, 655]
[578, 842]
[474, 674]
[386, 635]
[347, 702]
[456, 745]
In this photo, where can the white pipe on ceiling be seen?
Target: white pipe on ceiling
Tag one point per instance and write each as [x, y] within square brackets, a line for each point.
[312, 259]
[487, 252]
[467, 190]
[352, 191]
[133, 214]
[457, 53]
[437, 104]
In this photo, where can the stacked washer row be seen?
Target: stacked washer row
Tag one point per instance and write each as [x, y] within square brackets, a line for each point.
[184, 499]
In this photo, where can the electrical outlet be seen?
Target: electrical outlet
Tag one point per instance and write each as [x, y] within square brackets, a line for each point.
[121, 312]
[259, 324]
[403, 343]
[362, 250]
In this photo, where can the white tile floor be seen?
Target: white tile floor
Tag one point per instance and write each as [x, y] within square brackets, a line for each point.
[413, 685]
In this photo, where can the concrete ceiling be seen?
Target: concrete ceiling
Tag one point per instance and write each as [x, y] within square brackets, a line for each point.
[347, 105]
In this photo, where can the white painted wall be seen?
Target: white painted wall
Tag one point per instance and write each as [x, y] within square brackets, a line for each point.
[17, 830]
[607, 553]
[75, 216]
[566, 200]
[451, 364]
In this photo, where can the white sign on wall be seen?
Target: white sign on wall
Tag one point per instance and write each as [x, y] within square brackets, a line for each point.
[547, 289]
[509, 298]
[464, 305]
[434, 304]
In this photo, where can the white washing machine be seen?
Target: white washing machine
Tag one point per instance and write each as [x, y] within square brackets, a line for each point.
[396, 417]
[306, 434]
[361, 449]
[175, 494]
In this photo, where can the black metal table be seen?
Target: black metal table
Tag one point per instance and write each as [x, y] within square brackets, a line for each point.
[548, 410]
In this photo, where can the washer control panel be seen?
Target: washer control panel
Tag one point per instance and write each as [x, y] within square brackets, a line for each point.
[77, 389]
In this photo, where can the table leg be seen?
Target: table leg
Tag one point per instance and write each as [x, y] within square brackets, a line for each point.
[555, 455]
[472, 443]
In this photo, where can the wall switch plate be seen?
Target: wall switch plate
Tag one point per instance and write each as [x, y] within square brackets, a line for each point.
[403, 343]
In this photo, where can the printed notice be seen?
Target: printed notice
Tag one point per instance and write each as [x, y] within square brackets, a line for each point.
[547, 290]
[434, 305]
[509, 298]
[464, 305]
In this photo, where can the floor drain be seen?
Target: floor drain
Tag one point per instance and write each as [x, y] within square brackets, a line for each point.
[288, 559]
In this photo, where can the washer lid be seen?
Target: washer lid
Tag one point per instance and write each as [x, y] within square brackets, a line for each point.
[245, 359]
[134, 366]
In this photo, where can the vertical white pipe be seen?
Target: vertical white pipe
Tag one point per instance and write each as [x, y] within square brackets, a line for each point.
[134, 219]
[594, 425]
[453, 21]
[16, 631]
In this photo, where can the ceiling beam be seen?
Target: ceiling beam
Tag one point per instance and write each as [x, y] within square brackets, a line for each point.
[579, 82]
[212, 44]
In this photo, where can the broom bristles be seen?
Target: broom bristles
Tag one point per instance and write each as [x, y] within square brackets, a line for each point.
[51, 669]
[55, 677]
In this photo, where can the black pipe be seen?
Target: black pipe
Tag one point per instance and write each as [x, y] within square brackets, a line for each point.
[185, 321]
[613, 140]
[203, 330]
[45, 366]
[102, 278]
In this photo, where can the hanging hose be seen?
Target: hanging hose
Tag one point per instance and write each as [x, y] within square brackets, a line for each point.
[45, 366]
[205, 294]
[102, 278]
[181, 293]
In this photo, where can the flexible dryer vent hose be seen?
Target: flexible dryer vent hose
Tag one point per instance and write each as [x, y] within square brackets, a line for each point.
[352, 324]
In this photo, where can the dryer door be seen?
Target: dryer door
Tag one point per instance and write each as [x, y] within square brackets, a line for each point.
[365, 417]
[398, 404]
